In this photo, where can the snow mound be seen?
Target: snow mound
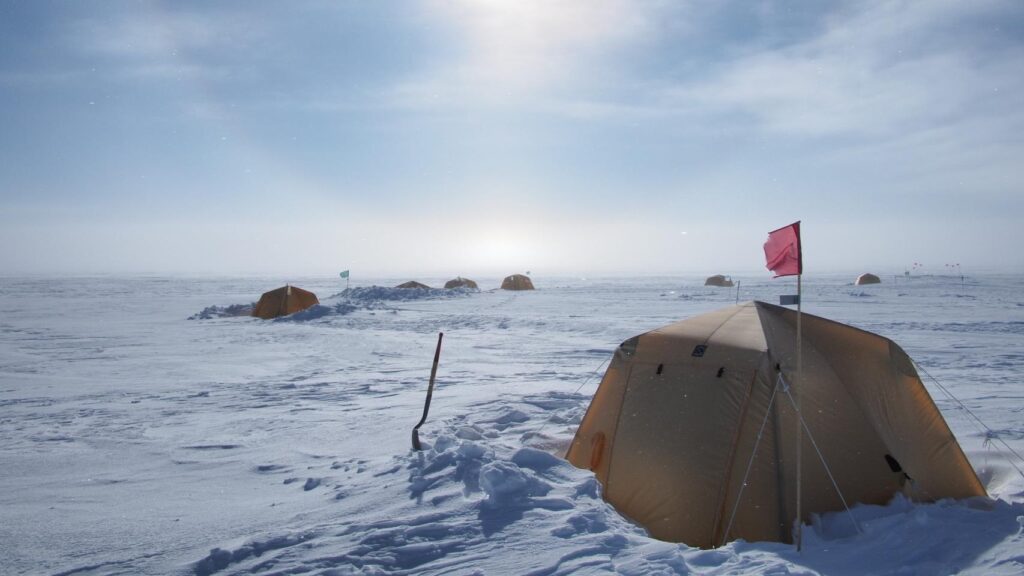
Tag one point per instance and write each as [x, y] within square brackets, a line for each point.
[381, 293]
[345, 302]
[224, 311]
[218, 558]
[318, 311]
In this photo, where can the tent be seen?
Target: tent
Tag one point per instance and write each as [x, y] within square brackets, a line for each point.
[517, 282]
[285, 300]
[461, 282]
[692, 432]
[867, 278]
[719, 280]
[412, 284]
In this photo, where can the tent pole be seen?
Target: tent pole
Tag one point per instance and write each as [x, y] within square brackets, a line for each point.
[799, 429]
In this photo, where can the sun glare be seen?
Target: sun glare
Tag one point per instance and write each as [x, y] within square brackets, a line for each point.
[502, 251]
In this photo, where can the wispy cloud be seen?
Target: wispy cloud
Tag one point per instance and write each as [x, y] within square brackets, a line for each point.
[519, 51]
[154, 43]
[873, 71]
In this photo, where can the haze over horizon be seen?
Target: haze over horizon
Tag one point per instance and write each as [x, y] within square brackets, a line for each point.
[488, 137]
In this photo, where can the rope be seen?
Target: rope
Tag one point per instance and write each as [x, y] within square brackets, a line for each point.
[750, 464]
[585, 382]
[823, 463]
[988, 432]
[989, 435]
[592, 374]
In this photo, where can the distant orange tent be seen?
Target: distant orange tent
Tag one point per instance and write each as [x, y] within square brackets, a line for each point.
[867, 278]
[517, 282]
[719, 280]
[460, 282]
[283, 301]
[412, 284]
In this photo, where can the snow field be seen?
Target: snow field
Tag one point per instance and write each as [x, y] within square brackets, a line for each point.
[135, 441]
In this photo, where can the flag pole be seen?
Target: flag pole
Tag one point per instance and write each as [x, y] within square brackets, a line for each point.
[784, 257]
[799, 428]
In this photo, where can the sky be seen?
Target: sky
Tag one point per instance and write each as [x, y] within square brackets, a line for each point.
[481, 137]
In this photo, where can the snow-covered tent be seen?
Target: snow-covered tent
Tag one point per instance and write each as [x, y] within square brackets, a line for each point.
[718, 280]
[282, 301]
[693, 430]
[460, 282]
[412, 284]
[517, 282]
[867, 278]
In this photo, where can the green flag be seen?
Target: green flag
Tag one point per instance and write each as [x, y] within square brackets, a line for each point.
[344, 274]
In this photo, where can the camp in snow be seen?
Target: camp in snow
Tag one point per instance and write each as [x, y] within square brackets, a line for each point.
[511, 287]
[286, 447]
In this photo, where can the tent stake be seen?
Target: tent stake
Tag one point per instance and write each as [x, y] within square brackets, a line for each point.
[430, 392]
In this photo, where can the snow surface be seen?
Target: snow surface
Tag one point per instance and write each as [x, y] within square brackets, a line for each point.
[136, 441]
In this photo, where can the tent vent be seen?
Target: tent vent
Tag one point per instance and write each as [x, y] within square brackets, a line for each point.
[894, 465]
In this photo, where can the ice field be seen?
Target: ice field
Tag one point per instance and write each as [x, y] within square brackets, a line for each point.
[134, 440]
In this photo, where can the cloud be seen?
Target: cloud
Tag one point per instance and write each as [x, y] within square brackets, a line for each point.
[151, 43]
[889, 68]
[518, 51]
[143, 36]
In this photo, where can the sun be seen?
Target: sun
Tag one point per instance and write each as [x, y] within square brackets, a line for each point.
[501, 250]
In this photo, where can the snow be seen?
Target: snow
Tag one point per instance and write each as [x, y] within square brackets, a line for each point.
[136, 441]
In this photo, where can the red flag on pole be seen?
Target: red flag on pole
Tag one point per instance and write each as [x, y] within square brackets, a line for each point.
[782, 251]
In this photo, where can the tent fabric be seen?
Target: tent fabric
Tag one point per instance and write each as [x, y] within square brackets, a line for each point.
[718, 280]
[412, 284]
[460, 282]
[284, 301]
[867, 278]
[674, 424]
[517, 282]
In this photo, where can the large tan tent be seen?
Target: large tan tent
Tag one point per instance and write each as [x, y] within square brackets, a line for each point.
[693, 430]
[412, 284]
[517, 282]
[867, 278]
[719, 280]
[460, 282]
[283, 301]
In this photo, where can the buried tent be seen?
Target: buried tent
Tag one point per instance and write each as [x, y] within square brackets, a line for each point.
[283, 301]
[719, 280]
[460, 282]
[867, 278]
[517, 282]
[692, 431]
[413, 284]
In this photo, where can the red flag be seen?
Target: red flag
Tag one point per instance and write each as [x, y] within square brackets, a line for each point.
[782, 251]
